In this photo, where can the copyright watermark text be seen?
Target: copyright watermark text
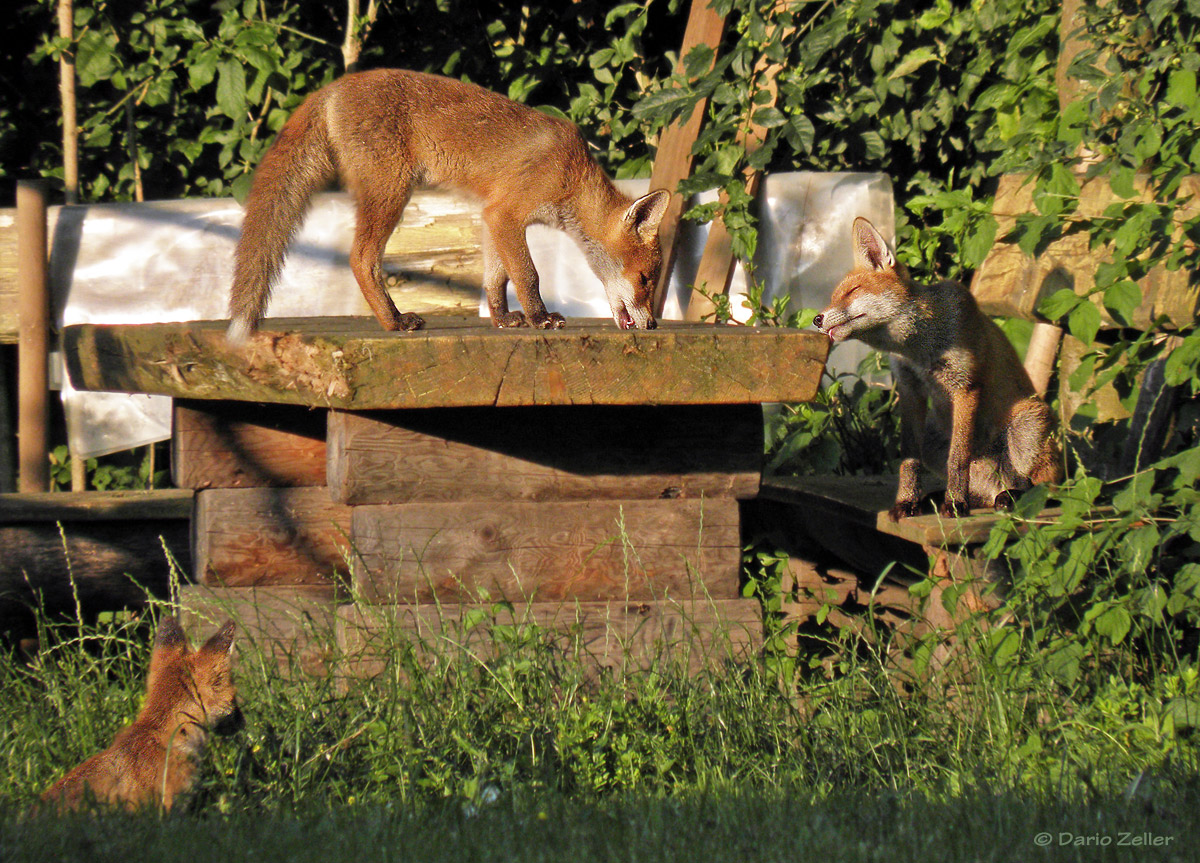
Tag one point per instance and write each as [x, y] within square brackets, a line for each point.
[1117, 839]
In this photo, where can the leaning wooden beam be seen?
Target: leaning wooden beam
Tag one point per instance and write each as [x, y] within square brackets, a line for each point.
[717, 262]
[455, 362]
[673, 161]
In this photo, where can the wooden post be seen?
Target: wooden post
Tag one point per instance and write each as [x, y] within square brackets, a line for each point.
[717, 262]
[66, 84]
[673, 161]
[33, 310]
[1042, 354]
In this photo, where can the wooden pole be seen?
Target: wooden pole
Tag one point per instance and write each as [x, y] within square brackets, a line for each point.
[66, 84]
[717, 262]
[673, 160]
[1042, 354]
[33, 311]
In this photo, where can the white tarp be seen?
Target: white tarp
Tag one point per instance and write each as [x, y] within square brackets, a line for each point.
[173, 260]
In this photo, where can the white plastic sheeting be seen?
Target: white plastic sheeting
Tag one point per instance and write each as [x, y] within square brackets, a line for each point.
[173, 261]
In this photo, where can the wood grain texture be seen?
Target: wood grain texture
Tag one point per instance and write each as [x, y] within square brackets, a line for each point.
[106, 549]
[259, 537]
[293, 626]
[617, 637]
[238, 445]
[454, 362]
[589, 550]
[583, 452]
[1010, 283]
[673, 157]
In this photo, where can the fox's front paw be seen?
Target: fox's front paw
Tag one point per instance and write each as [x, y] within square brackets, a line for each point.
[1004, 501]
[954, 508]
[548, 321]
[904, 509]
[510, 319]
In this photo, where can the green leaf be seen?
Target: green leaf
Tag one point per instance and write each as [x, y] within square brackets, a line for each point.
[1122, 300]
[1114, 624]
[976, 247]
[912, 62]
[1181, 88]
[231, 89]
[1061, 302]
[1084, 322]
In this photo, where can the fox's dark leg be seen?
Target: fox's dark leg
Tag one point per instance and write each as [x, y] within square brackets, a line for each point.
[964, 406]
[376, 219]
[912, 426]
[507, 241]
[495, 285]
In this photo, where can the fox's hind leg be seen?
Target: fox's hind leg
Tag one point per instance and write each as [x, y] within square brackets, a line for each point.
[376, 219]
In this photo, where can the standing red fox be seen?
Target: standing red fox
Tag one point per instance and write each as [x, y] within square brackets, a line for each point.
[966, 402]
[387, 131]
[153, 760]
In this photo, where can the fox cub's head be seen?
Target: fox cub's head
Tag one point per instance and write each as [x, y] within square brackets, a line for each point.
[632, 266]
[874, 295]
[194, 686]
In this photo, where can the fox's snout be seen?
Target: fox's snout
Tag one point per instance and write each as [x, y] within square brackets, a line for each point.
[230, 722]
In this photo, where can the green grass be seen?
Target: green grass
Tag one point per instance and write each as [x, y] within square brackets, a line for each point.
[524, 755]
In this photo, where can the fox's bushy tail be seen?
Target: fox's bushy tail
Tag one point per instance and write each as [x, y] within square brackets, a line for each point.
[298, 164]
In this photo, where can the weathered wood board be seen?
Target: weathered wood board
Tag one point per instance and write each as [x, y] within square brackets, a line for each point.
[242, 444]
[454, 362]
[1010, 283]
[584, 550]
[618, 637]
[292, 626]
[259, 537]
[104, 549]
[581, 452]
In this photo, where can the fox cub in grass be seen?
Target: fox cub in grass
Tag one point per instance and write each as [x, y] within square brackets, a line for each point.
[967, 406]
[387, 131]
[153, 761]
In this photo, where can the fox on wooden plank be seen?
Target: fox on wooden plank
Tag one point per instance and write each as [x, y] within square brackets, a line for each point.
[152, 762]
[387, 131]
[967, 406]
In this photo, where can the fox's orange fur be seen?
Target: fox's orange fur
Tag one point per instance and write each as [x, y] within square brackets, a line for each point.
[385, 132]
[968, 408]
[153, 761]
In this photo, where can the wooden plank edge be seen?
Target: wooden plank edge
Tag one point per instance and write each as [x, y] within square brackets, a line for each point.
[52, 506]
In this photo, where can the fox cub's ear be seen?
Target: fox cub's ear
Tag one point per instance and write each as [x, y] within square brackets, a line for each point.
[170, 635]
[871, 251]
[222, 642]
[646, 212]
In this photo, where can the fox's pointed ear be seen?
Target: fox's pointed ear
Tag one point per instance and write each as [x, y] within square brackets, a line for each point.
[871, 251]
[222, 642]
[170, 635]
[645, 214]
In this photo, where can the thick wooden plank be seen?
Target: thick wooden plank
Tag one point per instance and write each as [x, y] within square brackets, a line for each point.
[236, 445]
[260, 537]
[1009, 283]
[349, 363]
[52, 506]
[585, 550]
[620, 637]
[104, 550]
[291, 627]
[584, 452]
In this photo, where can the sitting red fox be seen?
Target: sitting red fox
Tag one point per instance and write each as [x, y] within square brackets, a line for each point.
[386, 131]
[153, 760]
[966, 401]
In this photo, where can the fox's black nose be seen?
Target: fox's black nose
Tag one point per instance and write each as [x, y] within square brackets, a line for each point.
[817, 321]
